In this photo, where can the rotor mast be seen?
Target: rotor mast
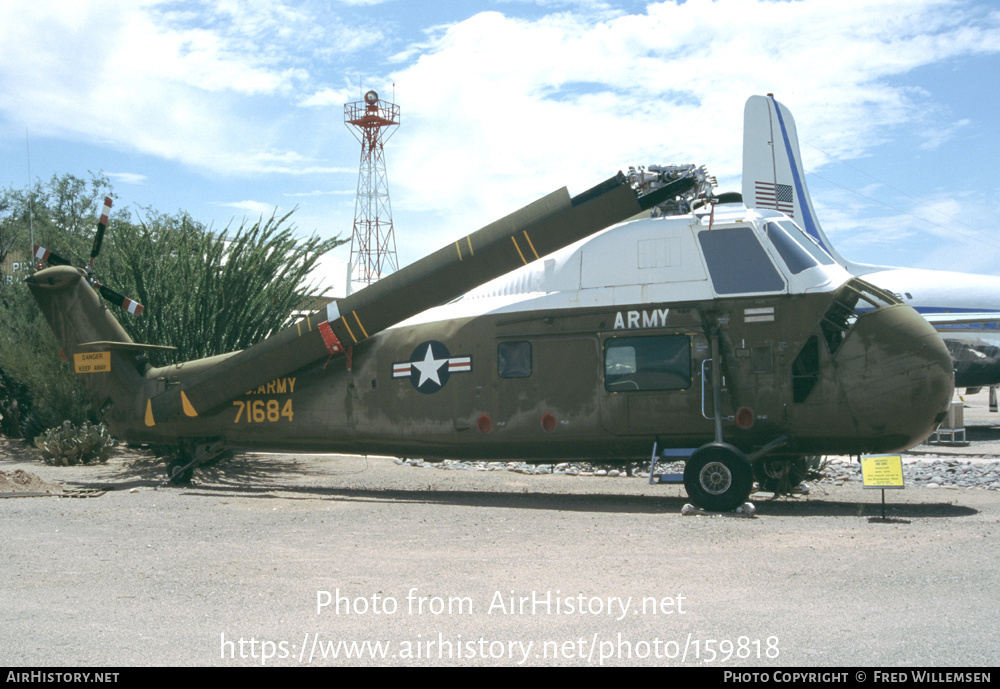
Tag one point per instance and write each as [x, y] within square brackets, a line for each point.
[373, 244]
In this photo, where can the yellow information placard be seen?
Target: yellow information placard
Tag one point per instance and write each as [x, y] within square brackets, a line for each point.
[92, 362]
[882, 471]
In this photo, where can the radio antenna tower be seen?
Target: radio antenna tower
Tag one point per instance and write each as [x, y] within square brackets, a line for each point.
[373, 245]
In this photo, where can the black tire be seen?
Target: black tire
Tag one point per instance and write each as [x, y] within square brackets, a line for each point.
[718, 477]
[176, 472]
[780, 474]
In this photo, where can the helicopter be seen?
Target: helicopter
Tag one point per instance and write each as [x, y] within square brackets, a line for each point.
[586, 327]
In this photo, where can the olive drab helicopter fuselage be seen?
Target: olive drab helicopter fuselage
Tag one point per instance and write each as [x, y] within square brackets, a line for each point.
[726, 333]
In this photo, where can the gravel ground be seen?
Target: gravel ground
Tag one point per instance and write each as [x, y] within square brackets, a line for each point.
[287, 559]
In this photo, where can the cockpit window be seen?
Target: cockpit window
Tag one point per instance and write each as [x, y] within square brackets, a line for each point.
[854, 299]
[810, 244]
[738, 263]
[797, 250]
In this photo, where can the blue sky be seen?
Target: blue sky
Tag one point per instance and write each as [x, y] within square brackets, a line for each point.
[234, 108]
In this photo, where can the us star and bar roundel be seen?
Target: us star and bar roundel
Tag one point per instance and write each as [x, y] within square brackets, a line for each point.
[430, 365]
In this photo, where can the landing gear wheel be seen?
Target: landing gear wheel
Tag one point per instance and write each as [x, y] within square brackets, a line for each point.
[718, 477]
[176, 472]
[780, 474]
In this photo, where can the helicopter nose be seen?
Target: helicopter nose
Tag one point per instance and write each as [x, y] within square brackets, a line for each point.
[897, 377]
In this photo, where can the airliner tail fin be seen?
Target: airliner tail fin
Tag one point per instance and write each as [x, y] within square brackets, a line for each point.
[773, 175]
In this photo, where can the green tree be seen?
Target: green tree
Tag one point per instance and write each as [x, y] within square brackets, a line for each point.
[208, 293]
[204, 292]
[37, 389]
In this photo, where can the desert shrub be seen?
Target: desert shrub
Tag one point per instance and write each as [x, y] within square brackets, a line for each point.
[67, 444]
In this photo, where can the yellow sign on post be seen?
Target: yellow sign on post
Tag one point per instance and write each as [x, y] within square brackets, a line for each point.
[882, 471]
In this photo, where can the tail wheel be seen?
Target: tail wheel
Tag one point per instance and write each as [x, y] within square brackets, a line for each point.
[780, 474]
[718, 477]
[178, 471]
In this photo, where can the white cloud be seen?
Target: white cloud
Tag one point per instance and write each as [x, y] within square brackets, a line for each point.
[191, 83]
[935, 137]
[497, 110]
[253, 208]
[318, 192]
[329, 97]
[127, 177]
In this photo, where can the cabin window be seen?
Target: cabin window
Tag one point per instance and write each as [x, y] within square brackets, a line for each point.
[738, 263]
[514, 359]
[647, 363]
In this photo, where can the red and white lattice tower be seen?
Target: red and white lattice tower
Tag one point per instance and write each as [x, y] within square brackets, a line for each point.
[373, 245]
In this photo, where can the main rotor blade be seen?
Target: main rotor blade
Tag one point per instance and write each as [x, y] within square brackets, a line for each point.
[540, 228]
[102, 225]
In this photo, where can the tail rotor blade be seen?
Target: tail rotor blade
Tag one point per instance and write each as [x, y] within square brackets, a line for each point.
[118, 299]
[102, 225]
[53, 259]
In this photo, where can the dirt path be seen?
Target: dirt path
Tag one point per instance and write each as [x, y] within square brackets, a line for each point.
[276, 559]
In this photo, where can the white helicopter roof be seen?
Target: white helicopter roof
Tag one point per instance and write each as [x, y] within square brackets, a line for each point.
[728, 251]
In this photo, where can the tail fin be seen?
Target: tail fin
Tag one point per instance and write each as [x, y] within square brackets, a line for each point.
[773, 175]
[109, 364]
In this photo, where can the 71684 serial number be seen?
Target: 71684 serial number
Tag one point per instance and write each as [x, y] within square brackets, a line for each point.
[263, 411]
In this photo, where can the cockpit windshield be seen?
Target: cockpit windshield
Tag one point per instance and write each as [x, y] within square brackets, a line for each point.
[797, 249]
[853, 300]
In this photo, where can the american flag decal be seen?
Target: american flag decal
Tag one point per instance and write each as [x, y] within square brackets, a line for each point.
[775, 196]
